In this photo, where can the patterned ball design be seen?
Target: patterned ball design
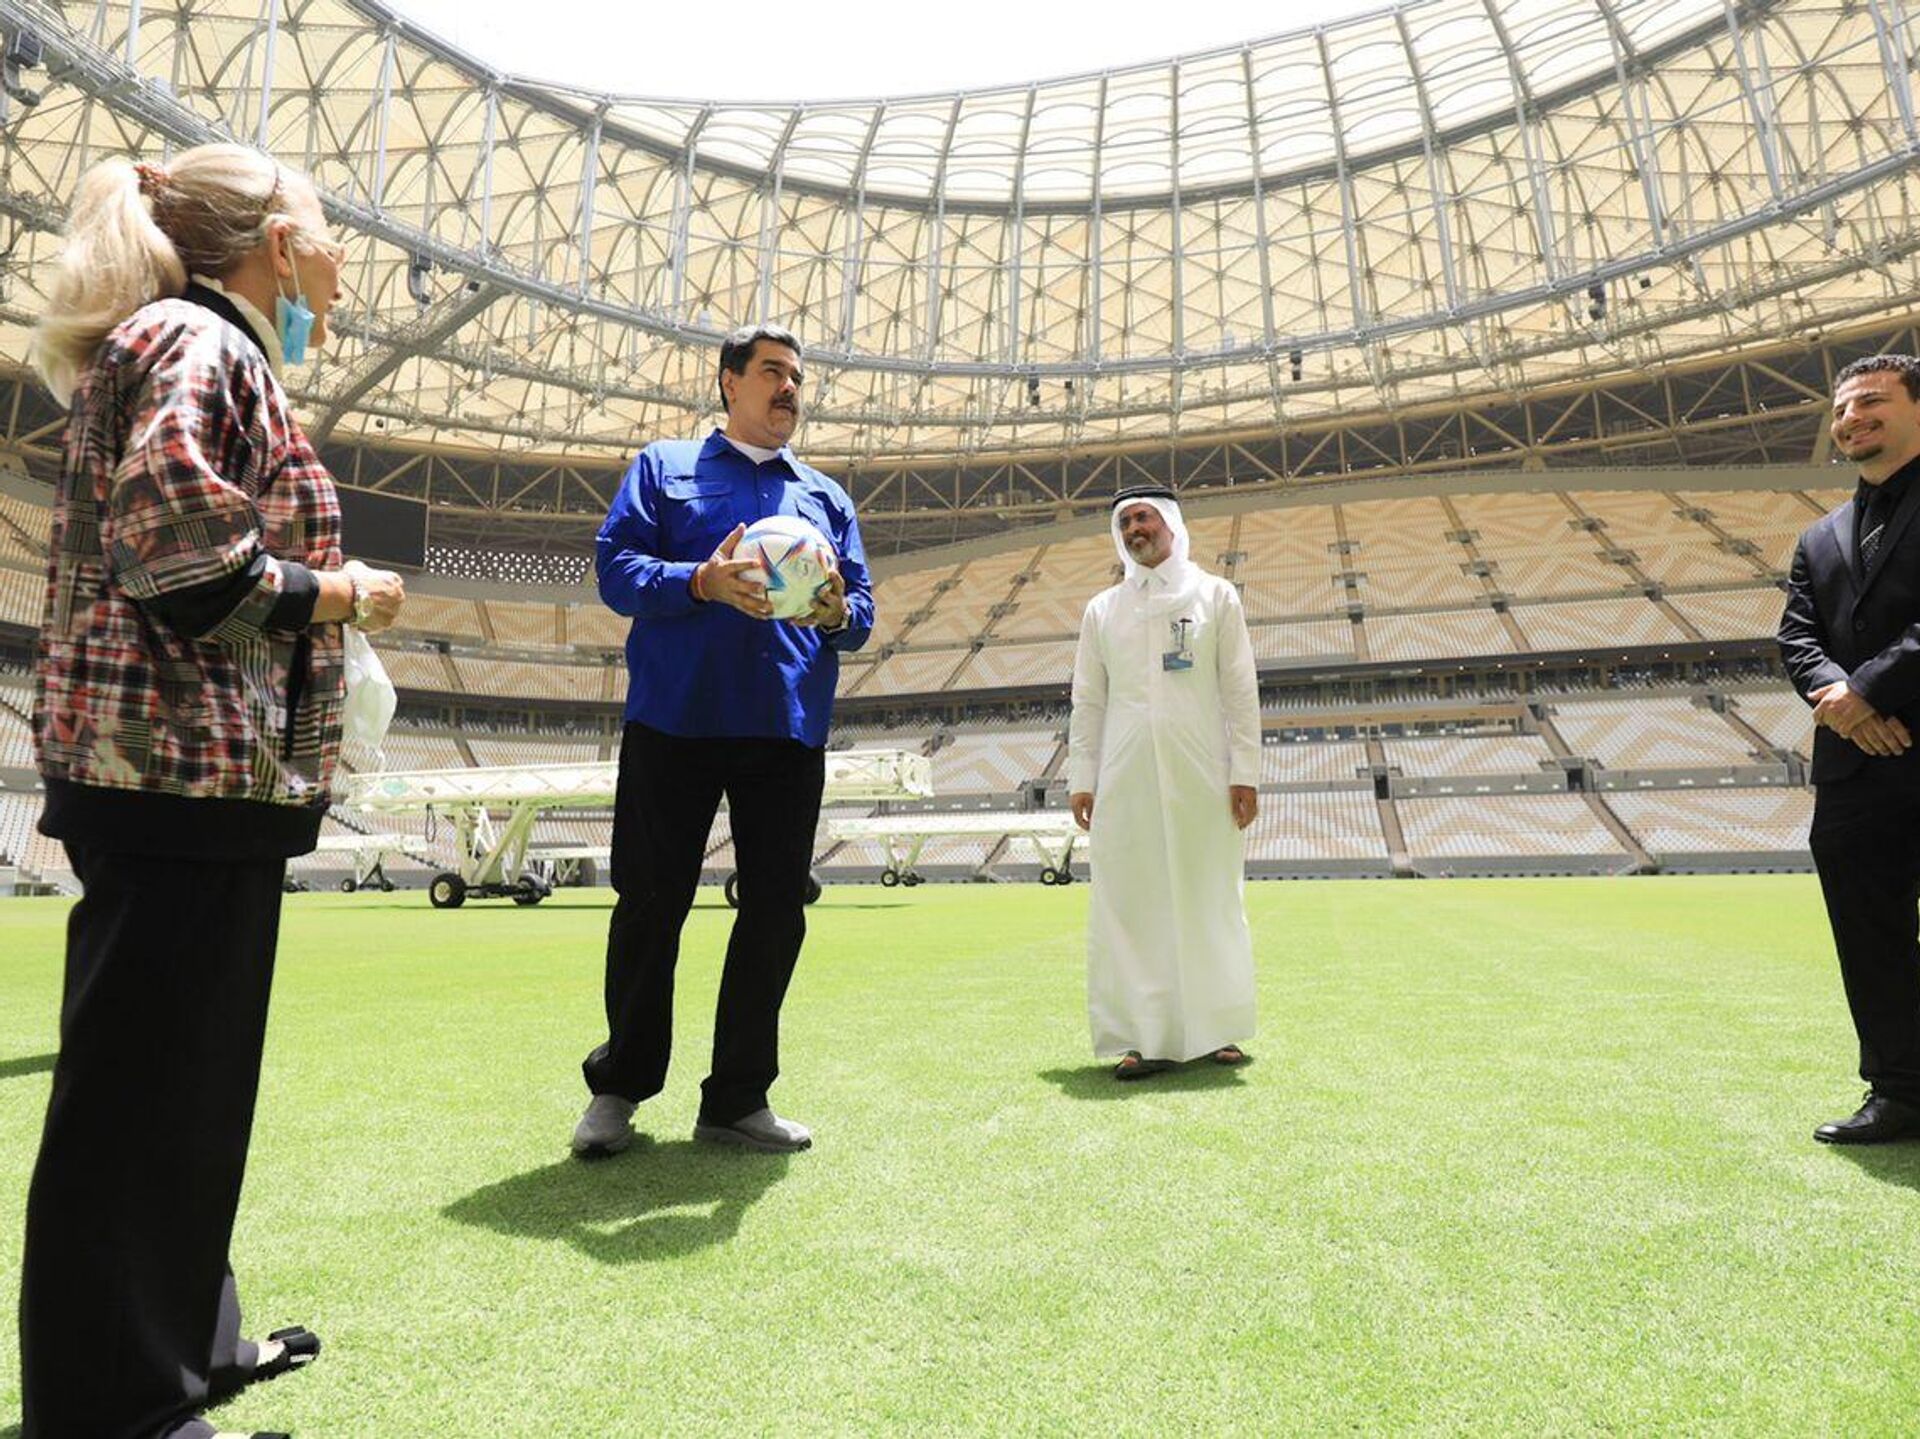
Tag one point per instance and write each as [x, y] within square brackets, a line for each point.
[791, 557]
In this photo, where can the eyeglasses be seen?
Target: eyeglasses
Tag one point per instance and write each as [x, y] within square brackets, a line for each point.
[334, 250]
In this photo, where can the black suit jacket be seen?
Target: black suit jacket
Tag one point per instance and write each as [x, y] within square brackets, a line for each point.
[1843, 624]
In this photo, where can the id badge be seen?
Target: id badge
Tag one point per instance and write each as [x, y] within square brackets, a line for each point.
[1180, 656]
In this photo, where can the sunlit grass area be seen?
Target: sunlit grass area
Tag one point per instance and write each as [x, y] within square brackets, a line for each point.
[1512, 1157]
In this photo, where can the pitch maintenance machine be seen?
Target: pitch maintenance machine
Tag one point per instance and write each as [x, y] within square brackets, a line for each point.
[367, 854]
[497, 860]
[1050, 834]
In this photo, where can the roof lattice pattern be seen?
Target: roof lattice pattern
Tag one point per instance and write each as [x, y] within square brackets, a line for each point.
[1431, 205]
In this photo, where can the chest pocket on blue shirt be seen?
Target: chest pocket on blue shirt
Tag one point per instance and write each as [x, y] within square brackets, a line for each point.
[696, 514]
[816, 514]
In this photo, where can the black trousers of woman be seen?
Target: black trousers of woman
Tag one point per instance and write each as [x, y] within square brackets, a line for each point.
[129, 1324]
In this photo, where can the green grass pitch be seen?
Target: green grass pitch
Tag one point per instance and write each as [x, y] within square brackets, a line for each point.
[1514, 1157]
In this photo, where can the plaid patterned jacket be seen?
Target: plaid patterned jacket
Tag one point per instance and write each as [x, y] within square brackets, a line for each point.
[183, 462]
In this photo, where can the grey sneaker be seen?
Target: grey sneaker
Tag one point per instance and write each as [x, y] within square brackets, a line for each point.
[606, 1127]
[763, 1130]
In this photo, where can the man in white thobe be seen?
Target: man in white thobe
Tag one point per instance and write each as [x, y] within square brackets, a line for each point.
[1163, 769]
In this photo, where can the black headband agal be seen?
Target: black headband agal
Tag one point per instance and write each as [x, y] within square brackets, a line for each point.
[1143, 492]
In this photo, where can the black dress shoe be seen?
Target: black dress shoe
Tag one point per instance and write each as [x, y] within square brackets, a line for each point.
[1877, 1121]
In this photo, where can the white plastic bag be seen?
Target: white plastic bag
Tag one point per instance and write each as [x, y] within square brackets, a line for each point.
[370, 704]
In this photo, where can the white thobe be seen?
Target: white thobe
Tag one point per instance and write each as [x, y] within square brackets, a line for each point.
[1157, 741]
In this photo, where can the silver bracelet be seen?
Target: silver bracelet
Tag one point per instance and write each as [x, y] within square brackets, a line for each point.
[362, 602]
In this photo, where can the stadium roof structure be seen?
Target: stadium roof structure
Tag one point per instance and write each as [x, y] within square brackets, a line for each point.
[1449, 233]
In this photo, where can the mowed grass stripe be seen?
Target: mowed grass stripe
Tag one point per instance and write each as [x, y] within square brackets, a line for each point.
[1512, 1156]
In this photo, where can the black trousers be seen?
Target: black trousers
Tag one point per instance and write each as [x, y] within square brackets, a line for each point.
[1866, 846]
[668, 794]
[129, 1323]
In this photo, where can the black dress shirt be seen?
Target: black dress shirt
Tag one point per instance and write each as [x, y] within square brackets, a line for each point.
[1874, 504]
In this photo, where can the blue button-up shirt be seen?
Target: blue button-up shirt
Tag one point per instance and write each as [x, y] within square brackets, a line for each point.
[706, 670]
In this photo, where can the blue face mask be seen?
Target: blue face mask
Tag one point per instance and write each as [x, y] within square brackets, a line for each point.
[294, 321]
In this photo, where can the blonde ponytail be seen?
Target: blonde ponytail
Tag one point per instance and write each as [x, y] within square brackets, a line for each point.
[134, 235]
[116, 260]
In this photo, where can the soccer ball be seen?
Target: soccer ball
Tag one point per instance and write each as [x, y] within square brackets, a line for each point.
[791, 558]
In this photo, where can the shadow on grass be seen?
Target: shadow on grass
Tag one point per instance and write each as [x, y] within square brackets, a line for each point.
[818, 905]
[1889, 1163]
[722, 907]
[13, 1069]
[10, 1432]
[418, 904]
[1097, 1081]
[656, 1201]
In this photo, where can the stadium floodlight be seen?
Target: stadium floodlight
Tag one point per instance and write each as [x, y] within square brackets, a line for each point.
[418, 268]
[24, 52]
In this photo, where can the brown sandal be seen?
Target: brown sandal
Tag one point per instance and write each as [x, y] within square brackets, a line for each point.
[1132, 1066]
[1229, 1054]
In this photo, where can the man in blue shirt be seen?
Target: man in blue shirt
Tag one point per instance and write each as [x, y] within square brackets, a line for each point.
[721, 700]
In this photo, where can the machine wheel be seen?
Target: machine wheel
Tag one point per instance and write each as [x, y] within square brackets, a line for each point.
[1048, 875]
[889, 878]
[910, 878]
[386, 886]
[448, 891]
[1065, 876]
[813, 887]
[732, 891]
[347, 886]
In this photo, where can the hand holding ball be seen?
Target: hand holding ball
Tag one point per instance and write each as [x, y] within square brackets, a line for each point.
[792, 559]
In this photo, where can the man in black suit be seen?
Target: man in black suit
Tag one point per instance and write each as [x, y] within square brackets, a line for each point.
[1851, 641]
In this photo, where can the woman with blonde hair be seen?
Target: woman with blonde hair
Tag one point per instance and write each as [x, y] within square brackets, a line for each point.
[187, 721]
